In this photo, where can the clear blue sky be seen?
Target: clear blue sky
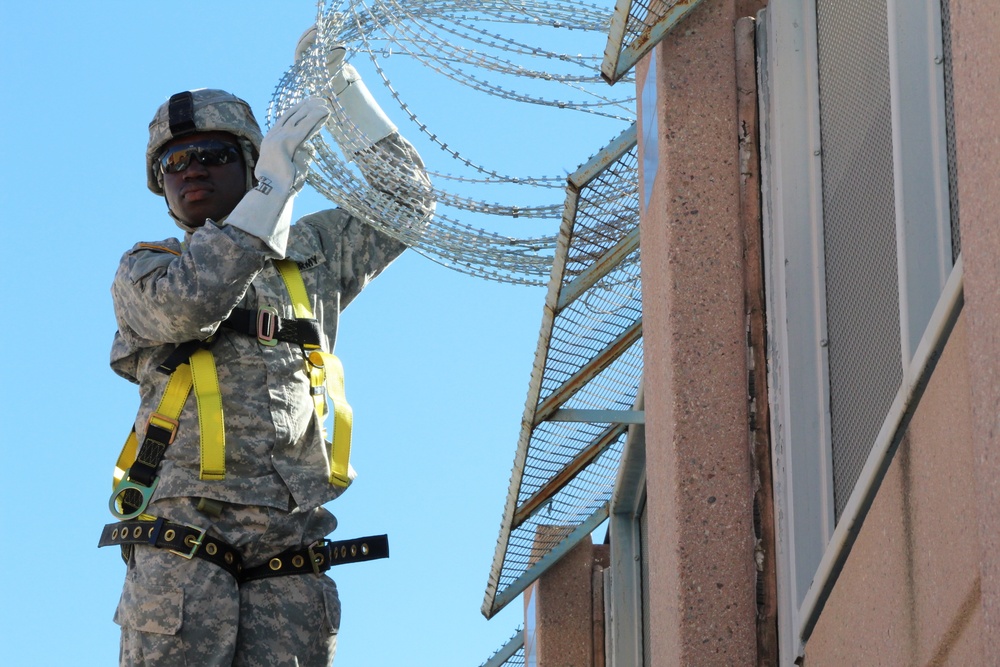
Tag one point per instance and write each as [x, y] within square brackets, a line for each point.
[437, 362]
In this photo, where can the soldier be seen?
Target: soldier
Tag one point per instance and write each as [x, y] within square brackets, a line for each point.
[223, 523]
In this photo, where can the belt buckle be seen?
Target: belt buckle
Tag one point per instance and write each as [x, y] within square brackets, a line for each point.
[195, 542]
[267, 326]
[317, 559]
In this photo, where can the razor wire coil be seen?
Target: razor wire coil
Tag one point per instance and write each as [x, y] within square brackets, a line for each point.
[484, 47]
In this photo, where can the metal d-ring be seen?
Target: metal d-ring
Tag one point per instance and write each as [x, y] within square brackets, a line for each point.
[124, 485]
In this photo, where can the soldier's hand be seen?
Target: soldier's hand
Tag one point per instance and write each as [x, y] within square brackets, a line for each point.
[334, 56]
[359, 122]
[285, 152]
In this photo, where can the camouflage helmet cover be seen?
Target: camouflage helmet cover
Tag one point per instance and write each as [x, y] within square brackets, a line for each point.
[202, 110]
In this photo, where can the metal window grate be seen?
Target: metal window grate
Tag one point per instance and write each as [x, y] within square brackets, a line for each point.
[636, 27]
[510, 654]
[949, 120]
[589, 359]
[862, 293]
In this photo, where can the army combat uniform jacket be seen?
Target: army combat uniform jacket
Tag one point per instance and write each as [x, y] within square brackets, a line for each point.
[166, 293]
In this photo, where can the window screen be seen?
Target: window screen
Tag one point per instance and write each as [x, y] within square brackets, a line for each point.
[949, 119]
[862, 297]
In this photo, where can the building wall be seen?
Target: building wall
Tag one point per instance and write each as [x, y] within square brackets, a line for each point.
[922, 584]
[698, 465]
[909, 593]
[564, 610]
[975, 64]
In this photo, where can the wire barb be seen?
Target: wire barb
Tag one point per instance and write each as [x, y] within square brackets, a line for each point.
[486, 47]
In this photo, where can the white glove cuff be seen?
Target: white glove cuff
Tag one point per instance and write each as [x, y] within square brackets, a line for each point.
[363, 115]
[266, 216]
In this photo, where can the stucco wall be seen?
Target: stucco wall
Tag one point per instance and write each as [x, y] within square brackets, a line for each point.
[564, 609]
[909, 593]
[975, 63]
[699, 472]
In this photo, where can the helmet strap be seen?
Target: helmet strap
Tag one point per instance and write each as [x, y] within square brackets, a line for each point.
[248, 161]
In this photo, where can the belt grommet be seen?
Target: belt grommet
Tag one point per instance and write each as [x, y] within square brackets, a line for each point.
[319, 559]
[114, 534]
[343, 552]
[275, 564]
[137, 531]
[228, 558]
[354, 550]
[189, 541]
[169, 535]
[298, 561]
[210, 549]
[364, 548]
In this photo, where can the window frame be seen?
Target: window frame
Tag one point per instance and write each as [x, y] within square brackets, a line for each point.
[792, 209]
[623, 583]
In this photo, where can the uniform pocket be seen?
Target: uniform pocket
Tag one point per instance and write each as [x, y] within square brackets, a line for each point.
[331, 601]
[153, 609]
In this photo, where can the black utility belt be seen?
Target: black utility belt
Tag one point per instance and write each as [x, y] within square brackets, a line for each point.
[192, 542]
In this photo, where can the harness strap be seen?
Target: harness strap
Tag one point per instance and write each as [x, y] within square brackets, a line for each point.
[191, 365]
[326, 381]
[267, 326]
[193, 542]
[179, 356]
[319, 557]
[296, 287]
[181, 539]
[135, 474]
[211, 424]
[329, 374]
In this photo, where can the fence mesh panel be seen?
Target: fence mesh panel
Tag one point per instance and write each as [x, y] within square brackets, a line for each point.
[513, 649]
[636, 27]
[590, 358]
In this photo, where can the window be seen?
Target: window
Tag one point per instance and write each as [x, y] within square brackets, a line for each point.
[858, 248]
[626, 591]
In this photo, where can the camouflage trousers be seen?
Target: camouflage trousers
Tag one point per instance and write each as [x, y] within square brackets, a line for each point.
[191, 613]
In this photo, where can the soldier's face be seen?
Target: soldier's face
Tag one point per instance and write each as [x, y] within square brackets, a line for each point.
[202, 191]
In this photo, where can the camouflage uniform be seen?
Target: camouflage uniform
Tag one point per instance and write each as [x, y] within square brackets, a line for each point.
[175, 611]
[191, 612]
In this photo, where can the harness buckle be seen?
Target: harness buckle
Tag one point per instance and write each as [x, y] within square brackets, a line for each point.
[267, 326]
[317, 559]
[171, 427]
[194, 543]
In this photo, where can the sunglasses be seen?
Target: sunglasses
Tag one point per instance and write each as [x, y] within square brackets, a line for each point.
[208, 152]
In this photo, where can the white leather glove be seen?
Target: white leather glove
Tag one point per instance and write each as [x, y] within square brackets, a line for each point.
[366, 123]
[266, 211]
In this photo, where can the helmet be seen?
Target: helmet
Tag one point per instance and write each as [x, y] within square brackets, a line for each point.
[202, 110]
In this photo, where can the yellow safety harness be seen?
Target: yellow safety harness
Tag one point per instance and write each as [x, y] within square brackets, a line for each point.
[326, 380]
[192, 366]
